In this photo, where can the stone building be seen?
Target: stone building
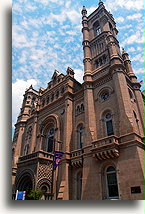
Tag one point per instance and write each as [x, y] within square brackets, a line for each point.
[98, 125]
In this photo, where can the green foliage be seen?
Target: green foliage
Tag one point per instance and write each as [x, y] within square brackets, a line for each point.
[35, 194]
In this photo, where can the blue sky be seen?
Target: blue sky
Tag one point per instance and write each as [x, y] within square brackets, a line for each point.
[47, 36]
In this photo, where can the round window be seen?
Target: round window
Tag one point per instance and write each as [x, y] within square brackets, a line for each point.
[108, 116]
[105, 95]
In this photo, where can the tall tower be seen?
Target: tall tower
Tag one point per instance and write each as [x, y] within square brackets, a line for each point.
[113, 108]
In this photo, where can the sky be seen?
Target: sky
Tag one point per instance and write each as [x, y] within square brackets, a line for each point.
[46, 35]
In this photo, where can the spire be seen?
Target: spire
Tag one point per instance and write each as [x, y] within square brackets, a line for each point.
[84, 11]
[100, 3]
[124, 52]
[128, 66]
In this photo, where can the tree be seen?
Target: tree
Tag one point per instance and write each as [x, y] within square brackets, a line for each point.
[35, 194]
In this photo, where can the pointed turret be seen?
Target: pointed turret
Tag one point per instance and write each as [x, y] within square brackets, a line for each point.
[86, 46]
[101, 3]
[128, 65]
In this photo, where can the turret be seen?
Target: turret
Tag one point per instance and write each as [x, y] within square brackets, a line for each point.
[128, 66]
[29, 101]
[86, 46]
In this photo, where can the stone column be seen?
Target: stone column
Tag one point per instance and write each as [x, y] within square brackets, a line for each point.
[18, 143]
[34, 135]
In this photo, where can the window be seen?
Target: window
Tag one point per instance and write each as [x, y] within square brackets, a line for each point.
[78, 109]
[57, 94]
[80, 140]
[130, 94]
[105, 95]
[79, 185]
[43, 102]
[33, 100]
[47, 101]
[52, 97]
[97, 29]
[111, 28]
[26, 149]
[50, 140]
[111, 179]
[62, 91]
[109, 124]
[82, 107]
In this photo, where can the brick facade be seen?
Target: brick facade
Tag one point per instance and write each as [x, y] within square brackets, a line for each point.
[97, 124]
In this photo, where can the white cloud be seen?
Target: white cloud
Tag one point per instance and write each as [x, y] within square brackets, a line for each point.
[71, 32]
[139, 71]
[131, 49]
[79, 75]
[136, 38]
[124, 26]
[119, 19]
[134, 16]
[30, 7]
[18, 89]
[73, 15]
[91, 9]
[138, 57]
[124, 4]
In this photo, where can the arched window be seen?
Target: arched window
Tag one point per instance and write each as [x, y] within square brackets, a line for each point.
[109, 124]
[111, 28]
[57, 94]
[33, 100]
[52, 97]
[43, 102]
[97, 29]
[130, 94]
[111, 180]
[62, 91]
[79, 185]
[47, 101]
[78, 109]
[80, 137]
[82, 107]
[26, 149]
[50, 140]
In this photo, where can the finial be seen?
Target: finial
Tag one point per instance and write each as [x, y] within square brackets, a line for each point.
[84, 11]
[100, 2]
[123, 51]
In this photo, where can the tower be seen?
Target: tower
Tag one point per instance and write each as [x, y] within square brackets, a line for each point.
[97, 125]
[114, 105]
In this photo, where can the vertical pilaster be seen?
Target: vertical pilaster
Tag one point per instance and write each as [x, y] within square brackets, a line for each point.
[140, 105]
[34, 136]
[86, 45]
[66, 146]
[123, 101]
[18, 143]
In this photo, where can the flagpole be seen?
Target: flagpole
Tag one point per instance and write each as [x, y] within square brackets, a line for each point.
[52, 182]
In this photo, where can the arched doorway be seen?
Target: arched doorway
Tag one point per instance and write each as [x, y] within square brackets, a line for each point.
[25, 184]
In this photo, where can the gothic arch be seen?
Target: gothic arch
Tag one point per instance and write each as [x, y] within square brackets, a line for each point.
[25, 179]
[52, 118]
[105, 111]
[44, 182]
[103, 168]
[103, 89]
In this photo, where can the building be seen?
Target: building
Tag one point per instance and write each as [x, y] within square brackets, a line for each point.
[98, 125]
